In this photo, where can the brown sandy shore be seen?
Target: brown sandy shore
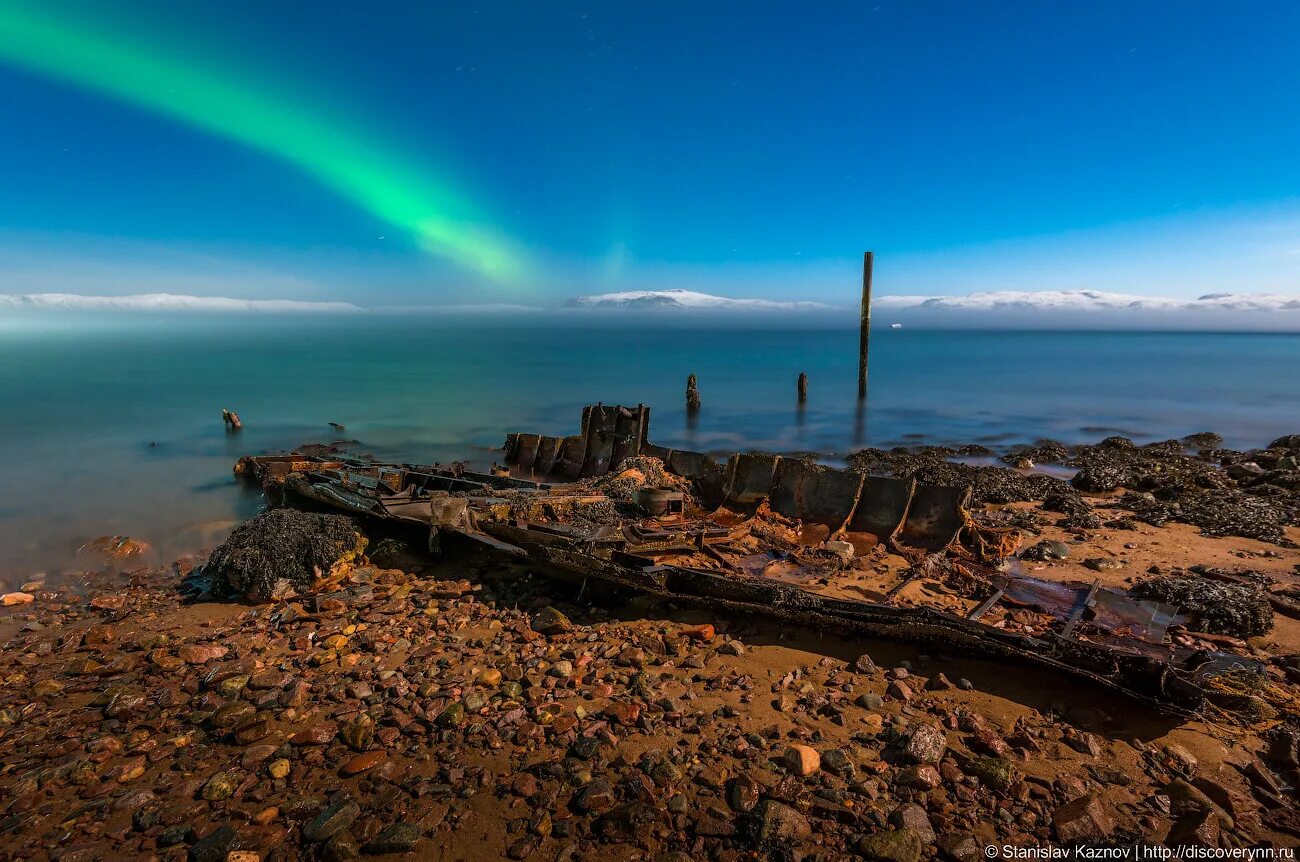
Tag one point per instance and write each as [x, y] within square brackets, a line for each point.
[481, 709]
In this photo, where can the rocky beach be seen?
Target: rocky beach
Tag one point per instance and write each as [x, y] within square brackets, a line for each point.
[477, 706]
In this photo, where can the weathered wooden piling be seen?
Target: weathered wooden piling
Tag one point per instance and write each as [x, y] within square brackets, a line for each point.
[864, 334]
[692, 394]
[803, 386]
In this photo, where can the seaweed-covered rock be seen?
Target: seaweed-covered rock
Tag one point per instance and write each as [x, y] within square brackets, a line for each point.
[1096, 478]
[1218, 608]
[1067, 501]
[1290, 442]
[1204, 440]
[282, 552]
[1042, 452]
[1226, 513]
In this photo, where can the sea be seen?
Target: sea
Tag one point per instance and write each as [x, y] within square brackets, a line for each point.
[111, 425]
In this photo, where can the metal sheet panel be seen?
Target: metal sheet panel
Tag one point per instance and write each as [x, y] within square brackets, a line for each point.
[598, 429]
[628, 431]
[936, 513]
[548, 453]
[749, 478]
[526, 455]
[882, 506]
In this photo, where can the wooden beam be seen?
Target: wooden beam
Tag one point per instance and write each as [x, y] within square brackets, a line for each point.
[864, 335]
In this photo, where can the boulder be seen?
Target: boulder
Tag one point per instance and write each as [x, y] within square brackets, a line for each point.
[284, 552]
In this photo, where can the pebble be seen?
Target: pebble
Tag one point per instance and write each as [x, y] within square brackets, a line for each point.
[549, 621]
[331, 821]
[212, 847]
[925, 744]
[802, 760]
[892, 845]
[781, 824]
[1082, 820]
[394, 838]
[701, 633]
[363, 763]
[316, 734]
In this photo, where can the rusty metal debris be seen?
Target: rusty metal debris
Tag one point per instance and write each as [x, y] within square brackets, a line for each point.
[763, 534]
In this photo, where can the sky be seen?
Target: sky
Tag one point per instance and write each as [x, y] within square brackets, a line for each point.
[427, 154]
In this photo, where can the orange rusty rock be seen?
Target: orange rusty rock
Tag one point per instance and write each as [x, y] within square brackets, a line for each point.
[363, 762]
[201, 653]
[317, 734]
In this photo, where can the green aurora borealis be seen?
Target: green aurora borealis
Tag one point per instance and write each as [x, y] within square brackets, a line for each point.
[336, 154]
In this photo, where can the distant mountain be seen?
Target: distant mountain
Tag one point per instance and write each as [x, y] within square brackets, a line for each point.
[686, 300]
[1091, 300]
[165, 302]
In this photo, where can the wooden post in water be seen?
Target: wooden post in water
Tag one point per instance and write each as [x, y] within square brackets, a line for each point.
[864, 335]
[803, 387]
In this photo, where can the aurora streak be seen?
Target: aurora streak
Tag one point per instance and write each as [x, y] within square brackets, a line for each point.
[334, 154]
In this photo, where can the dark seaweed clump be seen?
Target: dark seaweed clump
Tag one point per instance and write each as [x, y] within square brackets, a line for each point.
[1239, 610]
[283, 551]
[931, 465]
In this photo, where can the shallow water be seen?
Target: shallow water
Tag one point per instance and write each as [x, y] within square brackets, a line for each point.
[115, 428]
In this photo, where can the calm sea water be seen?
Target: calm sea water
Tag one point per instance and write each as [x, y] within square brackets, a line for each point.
[115, 427]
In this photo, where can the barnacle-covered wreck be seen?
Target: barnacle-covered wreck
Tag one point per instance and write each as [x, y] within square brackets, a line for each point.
[763, 534]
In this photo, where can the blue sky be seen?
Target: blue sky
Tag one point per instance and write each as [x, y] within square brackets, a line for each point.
[747, 149]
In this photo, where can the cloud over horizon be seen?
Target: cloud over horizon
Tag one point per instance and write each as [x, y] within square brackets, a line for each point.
[1007, 308]
[1092, 301]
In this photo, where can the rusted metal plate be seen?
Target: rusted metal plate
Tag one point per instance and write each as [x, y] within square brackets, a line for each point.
[548, 453]
[882, 507]
[708, 475]
[832, 497]
[629, 429]
[572, 451]
[510, 451]
[749, 478]
[598, 429]
[526, 450]
[936, 514]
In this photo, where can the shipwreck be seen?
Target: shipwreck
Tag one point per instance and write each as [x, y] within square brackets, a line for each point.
[780, 537]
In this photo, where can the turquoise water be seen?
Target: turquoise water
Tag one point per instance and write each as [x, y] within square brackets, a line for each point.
[115, 428]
